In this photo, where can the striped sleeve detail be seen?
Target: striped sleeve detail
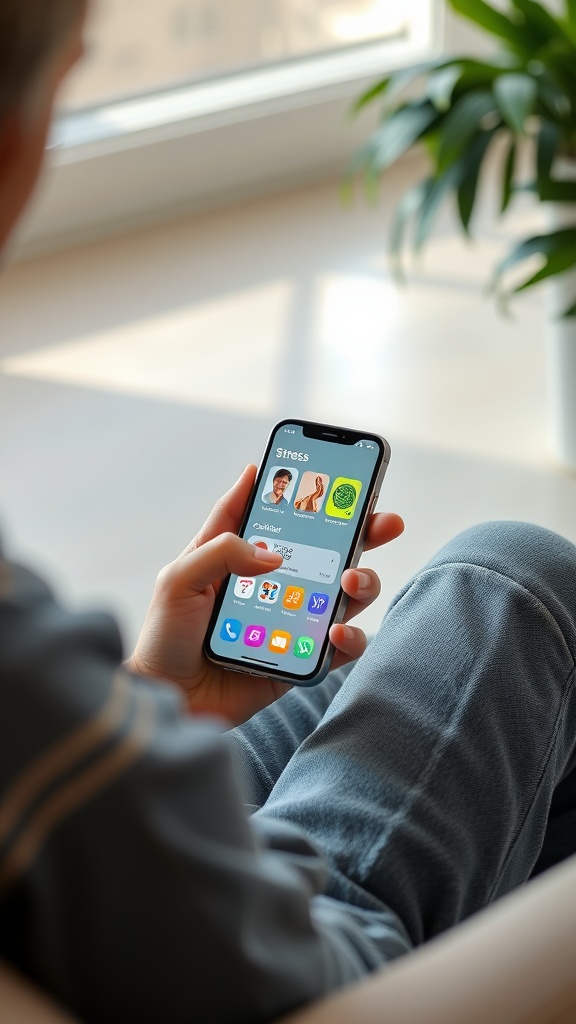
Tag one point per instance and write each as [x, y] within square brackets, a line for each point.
[41, 799]
[61, 757]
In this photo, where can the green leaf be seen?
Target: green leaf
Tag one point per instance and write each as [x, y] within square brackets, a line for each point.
[557, 191]
[485, 71]
[436, 190]
[471, 172]
[556, 101]
[558, 249]
[554, 241]
[554, 40]
[401, 80]
[518, 37]
[545, 26]
[555, 264]
[516, 96]
[546, 150]
[475, 74]
[390, 87]
[559, 58]
[549, 146]
[461, 124]
[441, 86]
[571, 11]
[373, 93]
[405, 211]
[508, 180]
[485, 16]
[398, 134]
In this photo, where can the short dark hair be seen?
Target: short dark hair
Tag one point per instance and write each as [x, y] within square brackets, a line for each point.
[30, 33]
[283, 472]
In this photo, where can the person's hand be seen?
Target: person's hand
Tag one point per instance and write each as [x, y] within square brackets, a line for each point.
[170, 645]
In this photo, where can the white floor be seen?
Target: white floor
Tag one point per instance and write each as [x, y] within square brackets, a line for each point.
[139, 375]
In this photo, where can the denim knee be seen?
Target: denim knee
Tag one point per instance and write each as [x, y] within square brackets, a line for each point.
[540, 561]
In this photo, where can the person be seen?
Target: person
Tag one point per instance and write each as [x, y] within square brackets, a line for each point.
[158, 866]
[280, 482]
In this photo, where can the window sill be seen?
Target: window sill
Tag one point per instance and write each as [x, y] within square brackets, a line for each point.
[135, 162]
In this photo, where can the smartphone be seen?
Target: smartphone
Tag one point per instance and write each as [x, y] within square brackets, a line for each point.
[316, 487]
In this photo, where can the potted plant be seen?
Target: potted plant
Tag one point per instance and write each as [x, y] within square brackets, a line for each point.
[521, 103]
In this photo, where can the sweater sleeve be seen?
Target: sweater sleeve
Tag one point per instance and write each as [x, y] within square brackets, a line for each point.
[132, 884]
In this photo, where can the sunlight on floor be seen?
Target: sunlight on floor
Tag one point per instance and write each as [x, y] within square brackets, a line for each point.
[367, 353]
[222, 354]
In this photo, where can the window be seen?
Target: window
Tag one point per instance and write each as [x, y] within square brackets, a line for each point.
[140, 46]
[186, 103]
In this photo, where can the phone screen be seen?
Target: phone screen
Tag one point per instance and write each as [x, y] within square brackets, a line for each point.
[309, 505]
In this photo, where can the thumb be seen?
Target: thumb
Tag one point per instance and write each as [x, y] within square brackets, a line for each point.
[194, 572]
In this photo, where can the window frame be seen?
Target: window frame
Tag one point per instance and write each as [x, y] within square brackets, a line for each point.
[148, 158]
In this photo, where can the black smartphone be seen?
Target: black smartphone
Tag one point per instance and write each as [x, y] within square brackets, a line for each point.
[316, 487]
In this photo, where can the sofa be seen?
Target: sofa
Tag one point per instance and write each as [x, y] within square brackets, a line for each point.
[514, 963]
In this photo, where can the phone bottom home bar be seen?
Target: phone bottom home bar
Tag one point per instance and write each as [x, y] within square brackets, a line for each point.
[316, 488]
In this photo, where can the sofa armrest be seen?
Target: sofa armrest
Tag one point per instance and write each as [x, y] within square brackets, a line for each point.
[510, 964]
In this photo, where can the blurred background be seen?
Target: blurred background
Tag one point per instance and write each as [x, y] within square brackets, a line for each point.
[139, 45]
[189, 274]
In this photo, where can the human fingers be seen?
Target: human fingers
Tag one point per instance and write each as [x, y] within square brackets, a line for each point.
[205, 565]
[382, 528]
[227, 513]
[362, 587]
[350, 643]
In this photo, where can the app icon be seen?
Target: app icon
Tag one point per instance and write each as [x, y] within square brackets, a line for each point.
[304, 647]
[279, 486]
[312, 491]
[254, 636]
[318, 603]
[279, 641]
[343, 498]
[244, 587]
[231, 629]
[269, 592]
[293, 598]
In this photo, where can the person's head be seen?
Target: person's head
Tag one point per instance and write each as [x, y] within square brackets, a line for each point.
[281, 480]
[40, 40]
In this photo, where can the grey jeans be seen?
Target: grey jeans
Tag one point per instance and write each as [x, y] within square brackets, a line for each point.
[438, 772]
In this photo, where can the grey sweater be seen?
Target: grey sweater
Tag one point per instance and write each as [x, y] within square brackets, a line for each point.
[132, 883]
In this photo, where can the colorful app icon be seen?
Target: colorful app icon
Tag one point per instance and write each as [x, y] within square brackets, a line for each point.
[280, 641]
[231, 629]
[318, 603]
[254, 636]
[244, 587]
[343, 498]
[312, 491]
[304, 647]
[293, 598]
[269, 592]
